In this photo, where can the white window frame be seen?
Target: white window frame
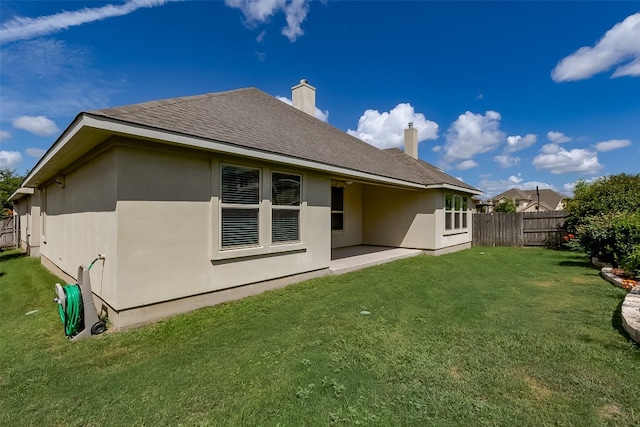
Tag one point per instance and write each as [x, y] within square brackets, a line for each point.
[265, 247]
[277, 207]
[456, 213]
[247, 206]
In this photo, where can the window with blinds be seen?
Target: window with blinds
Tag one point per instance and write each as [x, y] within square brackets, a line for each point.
[285, 202]
[240, 206]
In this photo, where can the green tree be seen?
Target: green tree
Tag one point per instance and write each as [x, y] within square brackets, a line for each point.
[9, 183]
[605, 216]
[507, 205]
[616, 193]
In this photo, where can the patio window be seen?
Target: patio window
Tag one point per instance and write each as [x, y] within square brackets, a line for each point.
[337, 208]
[285, 214]
[455, 212]
[240, 206]
[465, 211]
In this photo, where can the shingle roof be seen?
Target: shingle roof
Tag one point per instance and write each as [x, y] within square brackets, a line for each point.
[428, 173]
[253, 119]
[512, 193]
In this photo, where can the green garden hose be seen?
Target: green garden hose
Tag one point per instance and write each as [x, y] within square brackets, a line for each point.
[71, 316]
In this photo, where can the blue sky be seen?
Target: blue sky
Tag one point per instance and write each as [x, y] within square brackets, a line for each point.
[504, 94]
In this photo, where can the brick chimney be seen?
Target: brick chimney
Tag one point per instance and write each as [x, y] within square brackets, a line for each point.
[411, 141]
[303, 97]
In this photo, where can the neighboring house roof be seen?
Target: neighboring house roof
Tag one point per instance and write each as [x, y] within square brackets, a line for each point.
[252, 119]
[512, 193]
[549, 199]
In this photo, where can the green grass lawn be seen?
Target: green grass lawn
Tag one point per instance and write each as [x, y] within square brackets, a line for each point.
[487, 336]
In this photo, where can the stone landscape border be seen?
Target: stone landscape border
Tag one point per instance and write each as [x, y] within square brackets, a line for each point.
[630, 311]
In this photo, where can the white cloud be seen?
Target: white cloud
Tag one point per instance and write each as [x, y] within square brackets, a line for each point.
[20, 28]
[39, 125]
[260, 11]
[10, 159]
[472, 134]
[4, 135]
[494, 187]
[467, 164]
[386, 130]
[612, 144]
[618, 47]
[557, 160]
[568, 188]
[35, 152]
[515, 179]
[436, 148]
[557, 137]
[48, 77]
[295, 12]
[319, 114]
[261, 36]
[517, 142]
[507, 161]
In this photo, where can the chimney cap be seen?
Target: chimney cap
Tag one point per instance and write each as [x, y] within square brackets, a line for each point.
[304, 81]
[410, 125]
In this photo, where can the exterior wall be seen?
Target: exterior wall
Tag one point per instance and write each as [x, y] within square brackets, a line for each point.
[352, 233]
[447, 241]
[27, 209]
[411, 219]
[20, 209]
[401, 218]
[163, 226]
[168, 231]
[78, 222]
[34, 232]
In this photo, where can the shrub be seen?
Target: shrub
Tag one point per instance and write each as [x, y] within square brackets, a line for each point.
[610, 237]
[507, 205]
[631, 263]
[617, 193]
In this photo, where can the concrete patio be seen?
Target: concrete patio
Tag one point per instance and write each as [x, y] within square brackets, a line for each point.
[352, 258]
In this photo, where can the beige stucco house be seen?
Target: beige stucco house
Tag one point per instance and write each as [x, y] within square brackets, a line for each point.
[202, 199]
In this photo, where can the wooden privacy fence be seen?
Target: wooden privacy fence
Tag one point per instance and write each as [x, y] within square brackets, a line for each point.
[8, 232]
[519, 228]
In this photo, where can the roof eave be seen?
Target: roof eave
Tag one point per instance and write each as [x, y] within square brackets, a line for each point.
[121, 127]
[20, 193]
[60, 143]
[454, 187]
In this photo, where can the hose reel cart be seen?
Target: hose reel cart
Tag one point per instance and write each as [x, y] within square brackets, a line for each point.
[77, 309]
